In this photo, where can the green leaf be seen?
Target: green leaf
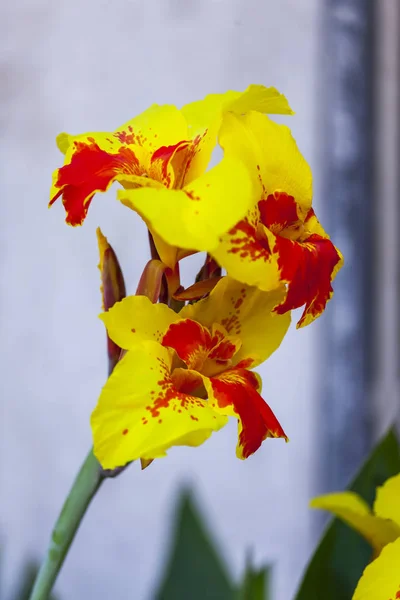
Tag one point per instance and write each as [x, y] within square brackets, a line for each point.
[255, 585]
[194, 570]
[342, 554]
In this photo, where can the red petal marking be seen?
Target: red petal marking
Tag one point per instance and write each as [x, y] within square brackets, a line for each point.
[194, 344]
[162, 158]
[246, 363]
[128, 136]
[247, 244]
[238, 388]
[188, 382]
[90, 170]
[232, 322]
[182, 160]
[278, 211]
[168, 397]
[225, 350]
[307, 267]
[191, 341]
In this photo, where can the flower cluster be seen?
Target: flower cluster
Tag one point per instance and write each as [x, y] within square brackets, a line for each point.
[184, 369]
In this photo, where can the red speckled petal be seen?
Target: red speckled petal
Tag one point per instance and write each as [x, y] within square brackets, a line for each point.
[235, 393]
[257, 256]
[245, 252]
[157, 126]
[246, 313]
[141, 413]
[308, 268]
[88, 169]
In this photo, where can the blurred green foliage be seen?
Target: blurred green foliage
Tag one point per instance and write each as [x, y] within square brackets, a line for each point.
[342, 555]
[196, 571]
[255, 585]
[25, 581]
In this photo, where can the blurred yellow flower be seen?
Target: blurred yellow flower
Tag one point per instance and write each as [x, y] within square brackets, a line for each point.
[381, 528]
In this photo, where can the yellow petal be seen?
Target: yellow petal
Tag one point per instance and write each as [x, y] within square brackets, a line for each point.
[168, 254]
[204, 118]
[387, 502]
[381, 579]
[354, 511]
[201, 113]
[159, 125]
[141, 414]
[63, 141]
[136, 319]
[259, 98]
[245, 312]
[271, 155]
[198, 215]
[247, 257]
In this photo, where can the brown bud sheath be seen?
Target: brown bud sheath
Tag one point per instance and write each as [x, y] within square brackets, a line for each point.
[150, 281]
[197, 290]
[112, 289]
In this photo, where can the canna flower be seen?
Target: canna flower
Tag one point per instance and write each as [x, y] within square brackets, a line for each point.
[381, 529]
[184, 374]
[279, 240]
[160, 158]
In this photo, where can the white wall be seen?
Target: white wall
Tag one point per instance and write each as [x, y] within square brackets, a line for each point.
[91, 65]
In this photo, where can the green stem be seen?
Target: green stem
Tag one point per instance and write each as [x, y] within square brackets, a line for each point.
[83, 490]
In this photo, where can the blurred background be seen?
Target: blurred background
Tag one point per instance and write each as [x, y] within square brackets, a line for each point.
[76, 66]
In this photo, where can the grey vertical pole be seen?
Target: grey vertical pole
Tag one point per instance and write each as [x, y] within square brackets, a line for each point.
[347, 203]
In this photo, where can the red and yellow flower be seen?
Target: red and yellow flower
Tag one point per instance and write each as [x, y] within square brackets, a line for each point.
[279, 240]
[160, 159]
[184, 374]
[381, 529]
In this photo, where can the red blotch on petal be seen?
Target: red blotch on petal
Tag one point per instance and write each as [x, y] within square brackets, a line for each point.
[191, 341]
[307, 267]
[225, 350]
[163, 156]
[247, 244]
[90, 170]
[169, 397]
[278, 211]
[238, 388]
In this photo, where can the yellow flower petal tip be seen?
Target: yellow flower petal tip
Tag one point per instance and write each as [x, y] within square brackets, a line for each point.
[353, 510]
[387, 501]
